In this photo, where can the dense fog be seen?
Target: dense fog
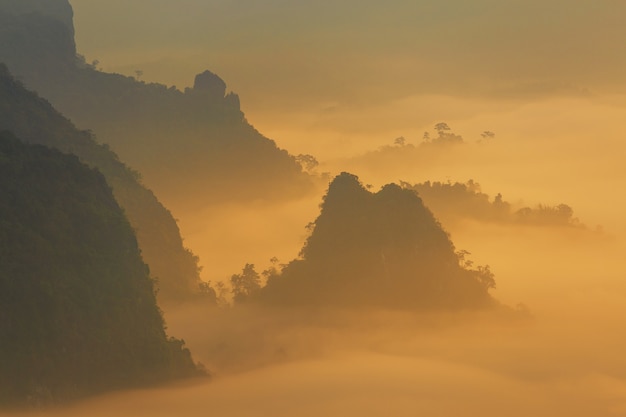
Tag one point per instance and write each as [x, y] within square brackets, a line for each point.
[558, 354]
[539, 132]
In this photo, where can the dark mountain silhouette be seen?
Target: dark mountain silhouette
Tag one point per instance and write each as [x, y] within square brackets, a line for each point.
[381, 249]
[31, 28]
[458, 201]
[59, 10]
[194, 145]
[34, 120]
[78, 312]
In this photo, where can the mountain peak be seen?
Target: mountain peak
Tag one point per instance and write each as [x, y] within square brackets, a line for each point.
[210, 83]
[383, 249]
[345, 188]
[61, 10]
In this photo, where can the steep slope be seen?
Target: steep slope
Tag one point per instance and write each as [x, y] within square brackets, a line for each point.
[193, 146]
[78, 312]
[35, 121]
[381, 249]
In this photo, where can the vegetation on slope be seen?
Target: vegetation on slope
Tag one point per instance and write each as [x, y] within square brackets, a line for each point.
[383, 249]
[78, 312]
[33, 119]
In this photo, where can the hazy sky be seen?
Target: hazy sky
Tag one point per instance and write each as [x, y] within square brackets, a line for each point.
[338, 72]
[347, 51]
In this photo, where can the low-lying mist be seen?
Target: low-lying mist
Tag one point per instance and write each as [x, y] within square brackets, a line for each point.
[554, 347]
[545, 160]
[560, 353]
[227, 236]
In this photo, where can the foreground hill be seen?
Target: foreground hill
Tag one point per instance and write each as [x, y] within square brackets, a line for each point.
[192, 146]
[78, 313]
[34, 120]
[381, 249]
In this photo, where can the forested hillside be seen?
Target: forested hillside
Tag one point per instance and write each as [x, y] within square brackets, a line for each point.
[34, 120]
[78, 312]
[383, 249]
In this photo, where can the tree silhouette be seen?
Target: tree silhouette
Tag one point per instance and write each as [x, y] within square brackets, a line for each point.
[400, 141]
[488, 135]
[307, 162]
[442, 128]
[245, 284]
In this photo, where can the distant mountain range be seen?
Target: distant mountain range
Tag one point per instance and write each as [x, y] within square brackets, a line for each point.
[190, 146]
[453, 202]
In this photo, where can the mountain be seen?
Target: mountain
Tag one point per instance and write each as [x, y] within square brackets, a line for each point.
[37, 28]
[59, 10]
[34, 120]
[78, 313]
[383, 249]
[465, 201]
[190, 146]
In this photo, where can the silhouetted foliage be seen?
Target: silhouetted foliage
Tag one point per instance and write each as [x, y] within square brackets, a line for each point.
[246, 284]
[400, 141]
[487, 135]
[403, 153]
[308, 162]
[453, 201]
[445, 136]
[34, 120]
[77, 306]
[561, 215]
[381, 249]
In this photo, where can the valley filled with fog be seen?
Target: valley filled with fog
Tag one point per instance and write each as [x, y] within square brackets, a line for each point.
[257, 181]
